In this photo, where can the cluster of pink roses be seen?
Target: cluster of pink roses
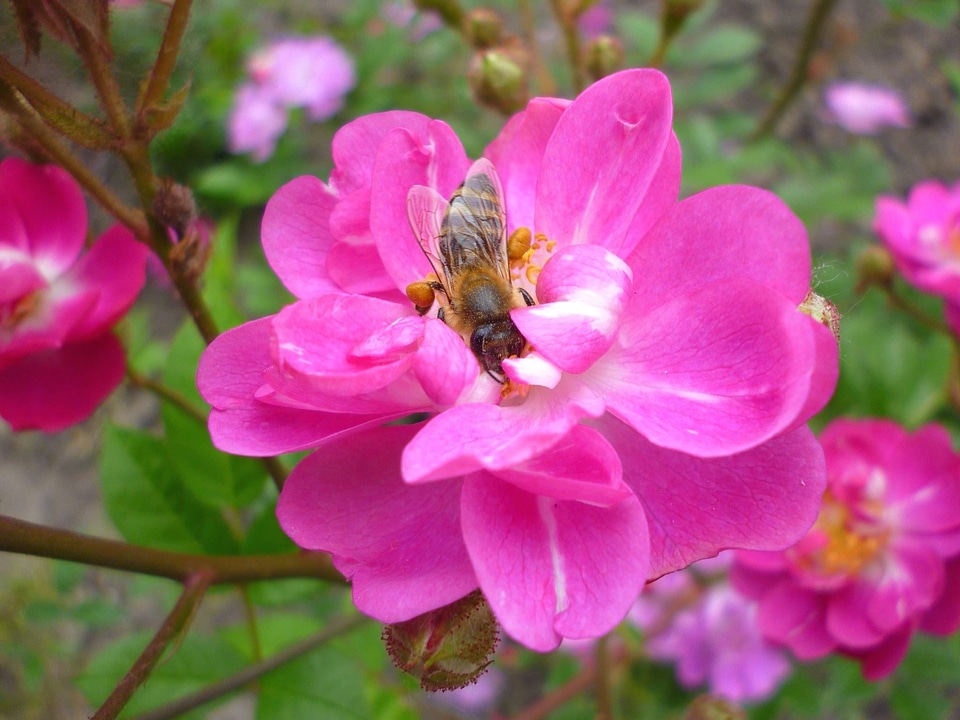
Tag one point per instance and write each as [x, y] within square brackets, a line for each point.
[657, 418]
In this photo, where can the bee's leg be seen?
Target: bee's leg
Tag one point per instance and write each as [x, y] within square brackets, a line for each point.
[526, 297]
[441, 315]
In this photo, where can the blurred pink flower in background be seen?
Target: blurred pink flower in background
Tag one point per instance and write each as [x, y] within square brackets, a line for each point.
[58, 358]
[311, 72]
[673, 426]
[923, 236]
[882, 560]
[404, 14]
[865, 109]
[596, 20]
[696, 619]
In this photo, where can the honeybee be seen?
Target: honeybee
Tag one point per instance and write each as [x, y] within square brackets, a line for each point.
[467, 249]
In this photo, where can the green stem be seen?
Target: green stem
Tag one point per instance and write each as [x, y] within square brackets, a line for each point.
[176, 623]
[159, 80]
[18, 536]
[571, 35]
[907, 307]
[604, 699]
[168, 394]
[817, 18]
[44, 136]
[528, 23]
[251, 614]
[243, 678]
[98, 67]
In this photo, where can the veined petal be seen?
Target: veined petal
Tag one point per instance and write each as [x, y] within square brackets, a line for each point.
[713, 372]
[400, 546]
[435, 159]
[601, 158]
[582, 466]
[725, 232]
[475, 436]
[345, 344]
[661, 196]
[296, 236]
[583, 290]
[517, 152]
[230, 373]
[762, 499]
[552, 568]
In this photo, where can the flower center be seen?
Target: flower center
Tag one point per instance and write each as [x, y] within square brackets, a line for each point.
[15, 312]
[842, 541]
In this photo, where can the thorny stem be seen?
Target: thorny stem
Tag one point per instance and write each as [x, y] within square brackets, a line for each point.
[819, 12]
[177, 622]
[98, 67]
[559, 697]
[40, 132]
[159, 80]
[167, 393]
[528, 24]
[19, 536]
[246, 676]
[571, 36]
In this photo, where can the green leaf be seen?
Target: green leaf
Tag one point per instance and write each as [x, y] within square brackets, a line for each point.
[189, 666]
[148, 502]
[724, 45]
[640, 32]
[213, 477]
[935, 12]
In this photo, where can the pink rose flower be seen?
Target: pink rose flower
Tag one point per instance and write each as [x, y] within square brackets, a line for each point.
[865, 109]
[58, 358]
[883, 559]
[923, 235]
[658, 420]
[697, 620]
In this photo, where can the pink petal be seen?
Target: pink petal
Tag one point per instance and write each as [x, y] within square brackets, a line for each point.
[912, 581]
[116, 267]
[795, 617]
[355, 146]
[54, 239]
[47, 325]
[661, 197]
[230, 374]
[583, 290]
[714, 372]
[724, 232]
[582, 466]
[55, 389]
[944, 617]
[601, 158]
[880, 661]
[20, 275]
[517, 152]
[847, 620]
[923, 489]
[476, 436]
[296, 236]
[532, 369]
[400, 546]
[443, 364]
[762, 499]
[552, 568]
[434, 159]
[344, 345]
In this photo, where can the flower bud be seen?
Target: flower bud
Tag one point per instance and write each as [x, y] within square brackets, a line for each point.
[483, 28]
[874, 267]
[498, 78]
[447, 648]
[174, 206]
[603, 56]
[823, 311]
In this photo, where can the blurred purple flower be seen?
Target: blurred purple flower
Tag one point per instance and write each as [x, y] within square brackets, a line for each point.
[697, 620]
[310, 72]
[865, 109]
[597, 20]
[256, 122]
[404, 14]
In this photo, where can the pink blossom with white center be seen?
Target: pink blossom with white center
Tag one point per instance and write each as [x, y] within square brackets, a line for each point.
[658, 420]
[697, 620]
[923, 236]
[58, 358]
[865, 109]
[882, 560]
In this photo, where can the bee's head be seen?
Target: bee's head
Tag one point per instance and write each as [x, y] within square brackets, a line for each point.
[493, 342]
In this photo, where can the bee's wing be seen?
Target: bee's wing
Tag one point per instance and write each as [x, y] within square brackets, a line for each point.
[481, 221]
[425, 210]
